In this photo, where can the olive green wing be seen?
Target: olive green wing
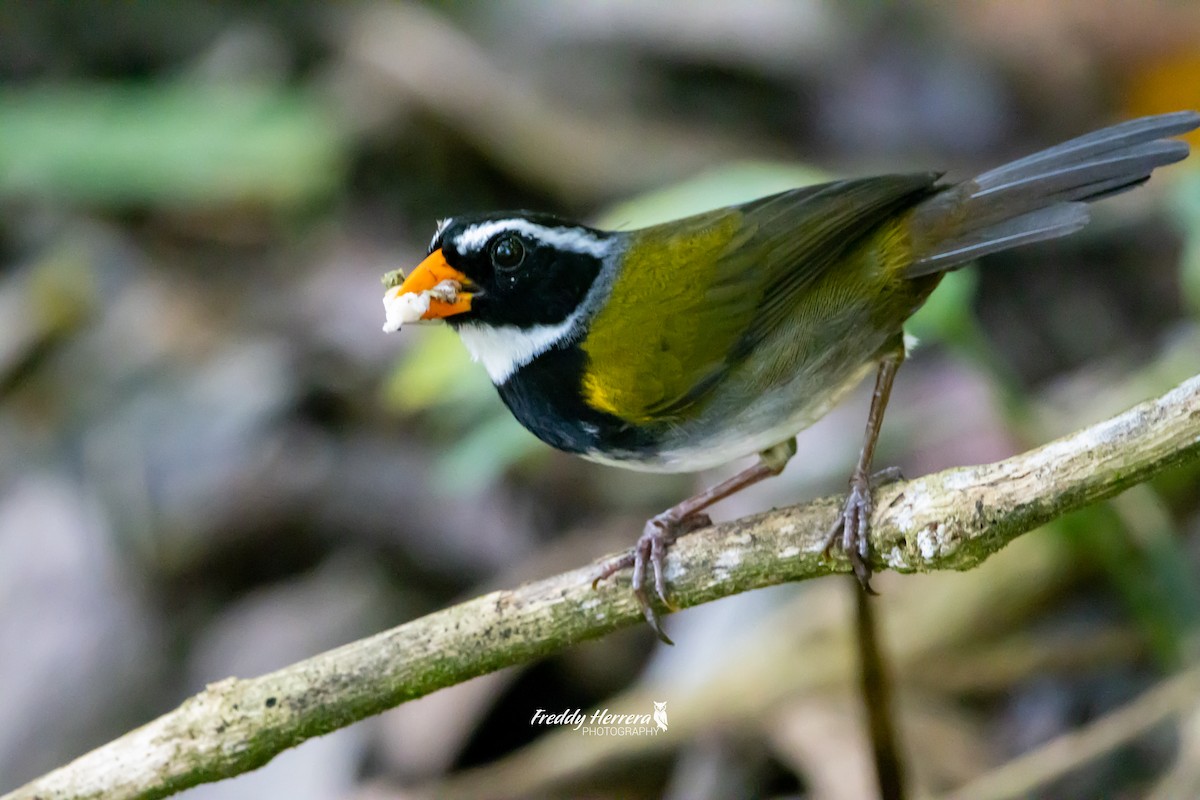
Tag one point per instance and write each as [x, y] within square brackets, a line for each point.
[800, 240]
[695, 295]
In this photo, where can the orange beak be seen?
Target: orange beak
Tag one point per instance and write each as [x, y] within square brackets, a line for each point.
[428, 274]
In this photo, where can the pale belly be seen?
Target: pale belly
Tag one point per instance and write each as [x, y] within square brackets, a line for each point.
[734, 427]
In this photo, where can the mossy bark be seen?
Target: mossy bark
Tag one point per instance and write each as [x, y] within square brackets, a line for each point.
[950, 520]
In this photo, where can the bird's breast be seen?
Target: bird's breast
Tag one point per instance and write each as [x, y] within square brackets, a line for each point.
[545, 395]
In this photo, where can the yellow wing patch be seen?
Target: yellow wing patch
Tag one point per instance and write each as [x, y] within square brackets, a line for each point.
[666, 323]
[697, 295]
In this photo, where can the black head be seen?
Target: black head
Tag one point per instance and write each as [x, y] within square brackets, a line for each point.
[526, 269]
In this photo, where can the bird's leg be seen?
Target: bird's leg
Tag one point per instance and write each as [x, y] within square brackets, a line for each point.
[854, 522]
[662, 530]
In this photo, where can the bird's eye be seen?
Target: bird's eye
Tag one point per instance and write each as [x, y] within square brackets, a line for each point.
[507, 253]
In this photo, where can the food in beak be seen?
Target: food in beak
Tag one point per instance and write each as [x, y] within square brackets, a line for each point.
[400, 307]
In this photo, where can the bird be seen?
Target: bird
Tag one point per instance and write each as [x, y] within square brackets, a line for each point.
[694, 343]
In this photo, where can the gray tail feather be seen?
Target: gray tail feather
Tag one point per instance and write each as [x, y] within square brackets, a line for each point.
[1044, 195]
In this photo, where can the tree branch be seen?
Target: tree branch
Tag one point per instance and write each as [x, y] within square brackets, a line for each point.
[951, 520]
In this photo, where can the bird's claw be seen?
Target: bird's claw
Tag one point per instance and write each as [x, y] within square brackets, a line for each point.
[651, 550]
[885, 476]
[853, 524]
[612, 568]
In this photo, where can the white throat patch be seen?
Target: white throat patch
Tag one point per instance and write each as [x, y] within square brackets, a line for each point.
[505, 349]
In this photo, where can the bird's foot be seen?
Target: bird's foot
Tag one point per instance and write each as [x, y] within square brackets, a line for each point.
[853, 523]
[651, 549]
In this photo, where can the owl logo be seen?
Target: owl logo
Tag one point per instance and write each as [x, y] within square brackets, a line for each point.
[660, 714]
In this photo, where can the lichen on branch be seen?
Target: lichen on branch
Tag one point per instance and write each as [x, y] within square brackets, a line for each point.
[949, 520]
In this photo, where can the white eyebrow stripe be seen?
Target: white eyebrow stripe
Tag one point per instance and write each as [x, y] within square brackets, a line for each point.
[576, 240]
[437, 234]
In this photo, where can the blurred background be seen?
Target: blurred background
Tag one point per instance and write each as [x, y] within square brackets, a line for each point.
[212, 461]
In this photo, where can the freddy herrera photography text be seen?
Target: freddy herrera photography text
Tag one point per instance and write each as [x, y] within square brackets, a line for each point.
[603, 722]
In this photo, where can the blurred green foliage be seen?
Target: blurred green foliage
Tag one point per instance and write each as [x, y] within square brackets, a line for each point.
[172, 144]
[1186, 202]
[485, 440]
[726, 185]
